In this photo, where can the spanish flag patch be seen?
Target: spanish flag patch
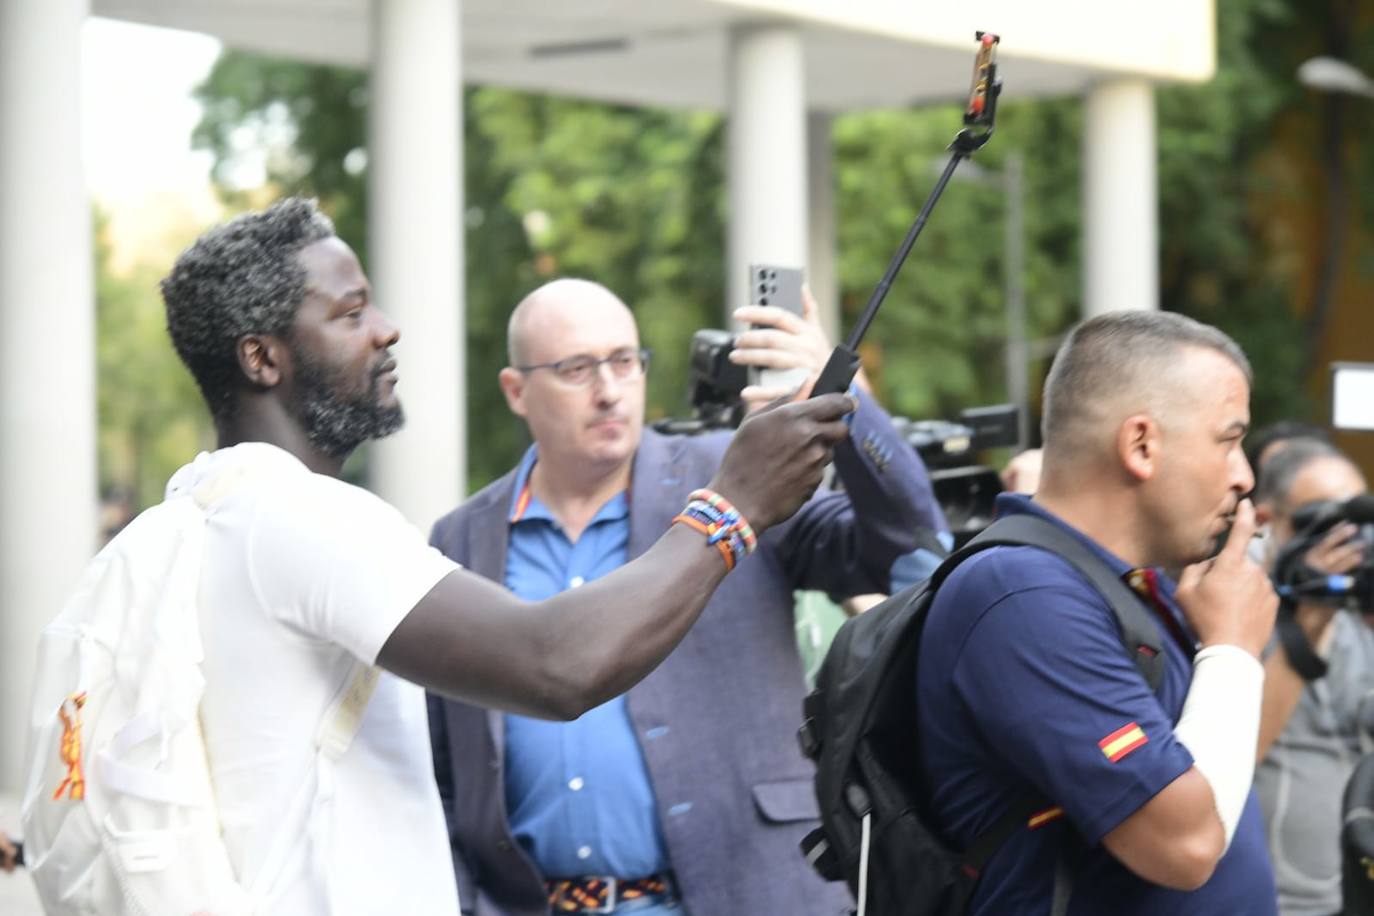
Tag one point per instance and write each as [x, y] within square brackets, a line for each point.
[1122, 741]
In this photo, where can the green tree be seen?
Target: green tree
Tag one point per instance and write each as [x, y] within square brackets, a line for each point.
[150, 417]
[635, 199]
[629, 197]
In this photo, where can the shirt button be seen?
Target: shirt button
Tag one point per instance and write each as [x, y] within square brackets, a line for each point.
[584, 852]
[576, 783]
[575, 581]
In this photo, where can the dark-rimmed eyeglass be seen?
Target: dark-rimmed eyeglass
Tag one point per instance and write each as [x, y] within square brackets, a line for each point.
[579, 371]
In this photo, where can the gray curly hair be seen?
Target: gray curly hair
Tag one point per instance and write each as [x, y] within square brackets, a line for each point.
[237, 279]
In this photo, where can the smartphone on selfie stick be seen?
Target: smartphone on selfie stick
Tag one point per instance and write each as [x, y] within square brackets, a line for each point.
[840, 369]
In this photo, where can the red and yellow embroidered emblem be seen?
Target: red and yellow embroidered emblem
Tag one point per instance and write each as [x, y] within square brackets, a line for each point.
[1122, 741]
[70, 713]
[1041, 818]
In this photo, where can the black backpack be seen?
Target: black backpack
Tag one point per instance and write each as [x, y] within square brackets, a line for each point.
[860, 729]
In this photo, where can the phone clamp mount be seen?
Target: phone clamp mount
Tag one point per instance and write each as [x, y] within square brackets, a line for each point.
[979, 116]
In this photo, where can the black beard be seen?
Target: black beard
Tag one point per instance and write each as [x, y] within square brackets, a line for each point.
[335, 423]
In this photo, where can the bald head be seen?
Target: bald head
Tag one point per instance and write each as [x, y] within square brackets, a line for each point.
[1123, 363]
[545, 315]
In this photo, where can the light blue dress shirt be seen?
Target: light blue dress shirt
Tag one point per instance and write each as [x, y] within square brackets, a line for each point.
[578, 793]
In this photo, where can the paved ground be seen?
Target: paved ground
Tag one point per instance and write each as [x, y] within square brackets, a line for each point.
[17, 897]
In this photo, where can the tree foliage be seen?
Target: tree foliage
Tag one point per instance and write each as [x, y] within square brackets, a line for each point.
[635, 198]
[150, 415]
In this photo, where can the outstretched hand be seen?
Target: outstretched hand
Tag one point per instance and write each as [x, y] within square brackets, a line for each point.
[1229, 598]
[778, 455]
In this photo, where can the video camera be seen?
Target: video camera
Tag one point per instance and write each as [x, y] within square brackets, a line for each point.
[713, 386]
[964, 489]
[1296, 581]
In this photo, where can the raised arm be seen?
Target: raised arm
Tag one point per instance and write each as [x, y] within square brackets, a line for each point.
[845, 542]
[472, 640]
[1177, 838]
[1340, 551]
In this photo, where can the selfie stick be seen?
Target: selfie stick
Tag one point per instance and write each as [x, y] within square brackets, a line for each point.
[844, 362]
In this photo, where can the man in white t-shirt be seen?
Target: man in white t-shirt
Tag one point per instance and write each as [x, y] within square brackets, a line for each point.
[307, 579]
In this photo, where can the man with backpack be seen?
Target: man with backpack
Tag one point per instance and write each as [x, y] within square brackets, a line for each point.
[1140, 799]
[318, 767]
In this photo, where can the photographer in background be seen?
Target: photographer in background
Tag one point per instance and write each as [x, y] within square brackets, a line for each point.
[689, 793]
[1319, 667]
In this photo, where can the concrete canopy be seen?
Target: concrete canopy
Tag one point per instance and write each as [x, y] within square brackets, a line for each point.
[859, 53]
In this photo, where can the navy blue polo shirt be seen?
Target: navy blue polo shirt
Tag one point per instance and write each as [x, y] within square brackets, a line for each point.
[1024, 685]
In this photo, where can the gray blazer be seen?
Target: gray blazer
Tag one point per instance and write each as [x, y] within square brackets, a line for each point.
[717, 720]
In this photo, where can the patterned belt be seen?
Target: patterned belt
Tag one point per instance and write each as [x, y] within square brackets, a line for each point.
[599, 894]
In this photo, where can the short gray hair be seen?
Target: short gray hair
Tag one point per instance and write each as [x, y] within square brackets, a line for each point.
[1117, 353]
[238, 279]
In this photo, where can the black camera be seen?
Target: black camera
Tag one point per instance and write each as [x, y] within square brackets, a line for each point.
[964, 489]
[713, 386]
[1294, 580]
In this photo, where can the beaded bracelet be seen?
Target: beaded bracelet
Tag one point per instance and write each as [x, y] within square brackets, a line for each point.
[722, 526]
[725, 528]
[726, 553]
[720, 502]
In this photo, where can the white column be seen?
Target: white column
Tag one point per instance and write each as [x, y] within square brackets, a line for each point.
[415, 245]
[1120, 199]
[48, 514]
[820, 265]
[767, 154]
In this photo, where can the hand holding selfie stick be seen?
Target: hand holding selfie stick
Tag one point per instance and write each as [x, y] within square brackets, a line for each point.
[978, 121]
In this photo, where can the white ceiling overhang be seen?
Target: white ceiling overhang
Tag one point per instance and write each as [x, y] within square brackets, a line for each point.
[859, 53]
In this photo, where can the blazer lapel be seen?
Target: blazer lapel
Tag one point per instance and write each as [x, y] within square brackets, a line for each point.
[659, 484]
[489, 533]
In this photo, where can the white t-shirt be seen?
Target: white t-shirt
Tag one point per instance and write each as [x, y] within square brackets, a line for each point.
[303, 576]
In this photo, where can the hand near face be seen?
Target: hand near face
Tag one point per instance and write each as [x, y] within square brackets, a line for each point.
[777, 457]
[783, 341]
[1229, 599]
[1338, 551]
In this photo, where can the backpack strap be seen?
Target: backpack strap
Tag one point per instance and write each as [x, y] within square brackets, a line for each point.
[338, 727]
[1139, 631]
[341, 721]
[339, 724]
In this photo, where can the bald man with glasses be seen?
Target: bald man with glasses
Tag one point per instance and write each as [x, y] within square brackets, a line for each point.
[689, 793]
